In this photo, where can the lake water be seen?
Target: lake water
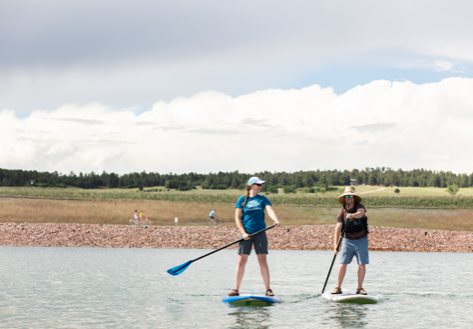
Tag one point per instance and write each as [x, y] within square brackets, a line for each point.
[129, 288]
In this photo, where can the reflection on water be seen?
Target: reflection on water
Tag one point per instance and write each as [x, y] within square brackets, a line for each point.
[346, 315]
[251, 316]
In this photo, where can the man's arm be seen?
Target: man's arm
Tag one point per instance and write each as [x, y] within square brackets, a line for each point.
[359, 214]
[336, 237]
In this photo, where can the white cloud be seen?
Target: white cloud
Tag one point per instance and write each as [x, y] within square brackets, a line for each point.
[442, 65]
[435, 65]
[395, 124]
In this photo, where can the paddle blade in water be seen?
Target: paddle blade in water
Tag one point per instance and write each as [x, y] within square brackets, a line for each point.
[179, 269]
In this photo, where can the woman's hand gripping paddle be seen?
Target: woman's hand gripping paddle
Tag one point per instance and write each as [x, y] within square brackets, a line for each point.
[181, 268]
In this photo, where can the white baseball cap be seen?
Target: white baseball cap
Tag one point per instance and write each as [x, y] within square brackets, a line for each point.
[255, 180]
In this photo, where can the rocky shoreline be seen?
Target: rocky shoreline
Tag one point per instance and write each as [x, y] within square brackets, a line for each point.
[310, 237]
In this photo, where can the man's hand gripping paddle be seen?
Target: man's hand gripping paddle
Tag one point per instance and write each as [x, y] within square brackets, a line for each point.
[181, 268]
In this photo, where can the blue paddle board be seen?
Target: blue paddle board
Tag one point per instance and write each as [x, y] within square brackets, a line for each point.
[251, 299]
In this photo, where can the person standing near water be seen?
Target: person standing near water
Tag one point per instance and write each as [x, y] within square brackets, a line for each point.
[352, 225]
[249, 218]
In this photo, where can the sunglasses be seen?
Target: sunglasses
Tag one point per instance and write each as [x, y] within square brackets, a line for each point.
[349, 196]
[259, 184]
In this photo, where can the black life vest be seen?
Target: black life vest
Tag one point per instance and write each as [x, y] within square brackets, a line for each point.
[354, 225]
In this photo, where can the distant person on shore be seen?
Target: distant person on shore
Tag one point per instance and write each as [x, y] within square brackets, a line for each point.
[249, 218]
[142, 217]
[213, 217]
[352, 227]
[137, 217]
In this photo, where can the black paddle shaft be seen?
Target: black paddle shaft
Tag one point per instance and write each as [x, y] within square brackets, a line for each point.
[331, 265]
[228, 245]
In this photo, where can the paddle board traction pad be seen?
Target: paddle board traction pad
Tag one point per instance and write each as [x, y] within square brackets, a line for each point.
[251, 299]
[350, 296]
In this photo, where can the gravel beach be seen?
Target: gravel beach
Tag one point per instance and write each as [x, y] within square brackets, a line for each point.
[309, 237]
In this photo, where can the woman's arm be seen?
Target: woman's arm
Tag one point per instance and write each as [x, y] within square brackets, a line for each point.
[272, 215]
[238, 212]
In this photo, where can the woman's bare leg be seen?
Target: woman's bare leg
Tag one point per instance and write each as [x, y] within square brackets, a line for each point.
[263, 264]
[242, 259]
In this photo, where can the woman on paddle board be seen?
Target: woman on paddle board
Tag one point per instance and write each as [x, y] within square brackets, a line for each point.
[249, 217]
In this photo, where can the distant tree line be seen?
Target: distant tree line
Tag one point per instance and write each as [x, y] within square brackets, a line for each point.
[223, 180]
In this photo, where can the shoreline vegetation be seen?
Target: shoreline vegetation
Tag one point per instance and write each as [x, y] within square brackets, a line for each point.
[373, 196]
[163, 213]
[309, 237]
[420, 219]
[415, 208]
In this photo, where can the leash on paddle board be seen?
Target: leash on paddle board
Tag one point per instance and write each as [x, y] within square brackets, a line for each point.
[181, 268]
[331, 265]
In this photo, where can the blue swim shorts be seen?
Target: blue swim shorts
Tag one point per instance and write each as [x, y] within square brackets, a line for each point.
[358, 248]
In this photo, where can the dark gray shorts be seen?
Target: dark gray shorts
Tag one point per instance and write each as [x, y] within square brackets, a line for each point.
[259, 240]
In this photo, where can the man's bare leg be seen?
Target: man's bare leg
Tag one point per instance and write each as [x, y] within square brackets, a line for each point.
[342, 270]
[361, 275]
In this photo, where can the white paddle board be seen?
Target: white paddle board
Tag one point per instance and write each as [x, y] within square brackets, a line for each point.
[251, 299]
[350, 296]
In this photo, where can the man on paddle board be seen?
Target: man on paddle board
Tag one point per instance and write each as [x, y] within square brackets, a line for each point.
[352, 225]
[249, 217]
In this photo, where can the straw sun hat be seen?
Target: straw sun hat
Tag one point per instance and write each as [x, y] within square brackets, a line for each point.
[349, 191]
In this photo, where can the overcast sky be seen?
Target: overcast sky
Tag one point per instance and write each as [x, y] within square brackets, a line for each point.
[235, 85]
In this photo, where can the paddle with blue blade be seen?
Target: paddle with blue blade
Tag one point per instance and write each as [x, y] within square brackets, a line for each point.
[181, 268]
